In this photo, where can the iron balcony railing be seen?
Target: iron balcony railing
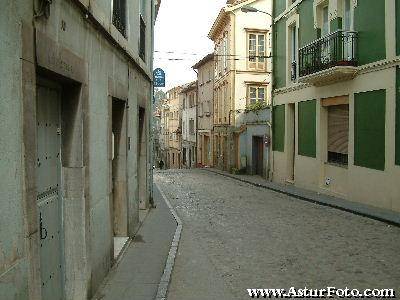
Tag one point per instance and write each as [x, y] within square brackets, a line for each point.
[335, 49]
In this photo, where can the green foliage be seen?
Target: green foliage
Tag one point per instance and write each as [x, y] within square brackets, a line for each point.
[159, 95]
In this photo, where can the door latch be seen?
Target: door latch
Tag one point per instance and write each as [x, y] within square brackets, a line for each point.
[43, 230]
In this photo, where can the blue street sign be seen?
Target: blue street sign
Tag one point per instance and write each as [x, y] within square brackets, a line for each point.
[159, 77]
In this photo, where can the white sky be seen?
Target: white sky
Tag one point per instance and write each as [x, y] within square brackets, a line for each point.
[182, 27]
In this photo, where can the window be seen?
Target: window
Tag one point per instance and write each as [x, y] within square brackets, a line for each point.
[143, 8]
[216, 65]
[278, 128]
[191, 126]
[338, 134]
[226, 102]
[347, 16]
[191, 100]
[293, 52]
[369, 129]
[307, 128]
[119, 16]
[225, 50]
[325, 21]
[256, 51]
[397, 139]
[142, 40]
[256, 94]
[184, 103]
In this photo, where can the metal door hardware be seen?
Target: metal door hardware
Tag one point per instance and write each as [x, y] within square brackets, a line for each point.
[43, 230]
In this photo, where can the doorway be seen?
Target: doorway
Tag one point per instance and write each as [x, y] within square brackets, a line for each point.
[142, 158]
[48, 182]
[206, 151]
[225, 153]
[258, 155]
[190, 158]
[119, 194]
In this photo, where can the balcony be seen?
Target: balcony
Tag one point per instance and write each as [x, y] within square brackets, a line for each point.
[329, 59]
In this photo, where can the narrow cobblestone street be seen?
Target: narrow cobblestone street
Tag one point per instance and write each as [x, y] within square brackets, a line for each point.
[237, 236]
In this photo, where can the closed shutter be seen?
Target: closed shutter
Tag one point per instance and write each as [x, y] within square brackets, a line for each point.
[338, 129]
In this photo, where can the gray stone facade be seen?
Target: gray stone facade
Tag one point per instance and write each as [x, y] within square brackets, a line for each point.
[105, 167]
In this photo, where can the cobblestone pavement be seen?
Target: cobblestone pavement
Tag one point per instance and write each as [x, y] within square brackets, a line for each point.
[237, 236]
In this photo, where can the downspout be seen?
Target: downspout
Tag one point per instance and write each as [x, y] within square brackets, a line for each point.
[233, 94]
[270, 168]
[197, 113]
[151, 159]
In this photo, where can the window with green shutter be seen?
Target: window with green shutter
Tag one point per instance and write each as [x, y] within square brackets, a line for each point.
[369, 129]
[369, 22]
[307, 128]
[278, 128]
[398, 27]
[398, 116]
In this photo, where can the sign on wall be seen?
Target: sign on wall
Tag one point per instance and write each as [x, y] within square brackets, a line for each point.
[159, 77]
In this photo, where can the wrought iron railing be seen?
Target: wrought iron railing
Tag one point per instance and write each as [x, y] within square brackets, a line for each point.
[293, 71]
[335, 49]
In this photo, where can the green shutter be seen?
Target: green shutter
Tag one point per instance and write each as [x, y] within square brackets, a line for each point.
[279, 54]
[369, 22]
[369, 129]
[278, 128]
[398, 27]
[307, 128]
[307, 32]
[279, 7]
[397, 116]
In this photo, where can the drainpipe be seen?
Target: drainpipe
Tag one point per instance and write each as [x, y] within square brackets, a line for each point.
[150, 113]
[270, 167]
[197, 119]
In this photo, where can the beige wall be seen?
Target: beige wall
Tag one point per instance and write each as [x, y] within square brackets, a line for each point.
[368, 186]
[205, 96]
[174, 127]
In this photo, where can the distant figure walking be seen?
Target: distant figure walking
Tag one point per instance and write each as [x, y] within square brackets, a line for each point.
[161, 164]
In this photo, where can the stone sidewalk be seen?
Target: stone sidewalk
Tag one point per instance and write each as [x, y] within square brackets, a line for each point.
[138, 272]
[379, 214]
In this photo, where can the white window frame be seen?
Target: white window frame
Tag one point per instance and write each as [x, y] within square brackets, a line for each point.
[259, 63]
[293, 20]
[257, 98]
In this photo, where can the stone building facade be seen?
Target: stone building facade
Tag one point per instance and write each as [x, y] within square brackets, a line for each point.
[75, 98]
[242, 81]
[174, 132]
[205, 110]
[188, 101]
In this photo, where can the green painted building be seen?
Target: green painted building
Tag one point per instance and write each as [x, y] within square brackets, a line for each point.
[336, 103]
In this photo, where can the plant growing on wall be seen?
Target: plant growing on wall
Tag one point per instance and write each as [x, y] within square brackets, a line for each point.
[256, 106]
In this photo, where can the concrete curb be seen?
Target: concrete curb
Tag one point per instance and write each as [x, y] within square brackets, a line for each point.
[169, 265]
[363, 210]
